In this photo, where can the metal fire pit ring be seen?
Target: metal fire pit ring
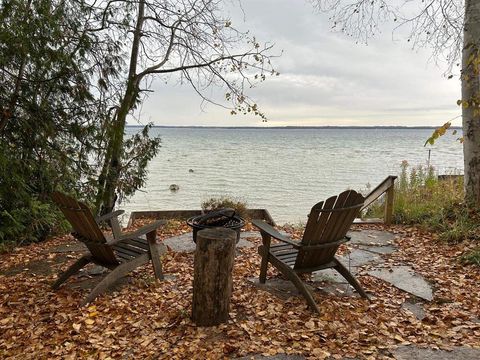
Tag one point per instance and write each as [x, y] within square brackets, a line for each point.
[225, 218]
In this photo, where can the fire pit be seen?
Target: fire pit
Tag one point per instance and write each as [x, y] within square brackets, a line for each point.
[220, 218]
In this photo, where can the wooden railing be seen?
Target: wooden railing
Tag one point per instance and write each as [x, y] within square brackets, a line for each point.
[386, 187]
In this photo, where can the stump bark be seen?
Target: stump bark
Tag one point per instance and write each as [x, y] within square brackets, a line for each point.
[212, 282]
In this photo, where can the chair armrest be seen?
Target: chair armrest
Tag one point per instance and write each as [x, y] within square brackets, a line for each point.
[108, 216]
[269, 230]
[142, 231]
[326, 245]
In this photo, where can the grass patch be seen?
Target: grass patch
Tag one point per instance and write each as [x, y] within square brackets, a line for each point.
[436, 204]
[421, 198]
[471, 257]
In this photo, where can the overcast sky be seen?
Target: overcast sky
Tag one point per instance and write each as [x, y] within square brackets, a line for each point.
[326, 79]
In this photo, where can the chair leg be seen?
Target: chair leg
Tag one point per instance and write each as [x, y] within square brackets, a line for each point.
[72, 270]
[116, 274]
[295, 279]
[155, 251]
[350, 278]
[264, 264]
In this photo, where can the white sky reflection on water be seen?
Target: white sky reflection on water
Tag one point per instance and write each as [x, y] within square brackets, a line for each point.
[283, 170]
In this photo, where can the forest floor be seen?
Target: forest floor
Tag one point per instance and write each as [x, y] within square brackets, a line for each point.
[143, 318]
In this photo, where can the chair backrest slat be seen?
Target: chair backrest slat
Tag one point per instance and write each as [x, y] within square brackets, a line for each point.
[85, 228]
[333, 220]
[328, 222]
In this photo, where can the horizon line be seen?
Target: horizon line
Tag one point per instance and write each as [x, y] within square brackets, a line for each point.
[294, 127]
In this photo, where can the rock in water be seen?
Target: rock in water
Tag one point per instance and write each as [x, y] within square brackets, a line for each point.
[174, 187]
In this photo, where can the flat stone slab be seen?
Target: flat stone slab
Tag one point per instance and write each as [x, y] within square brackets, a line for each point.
[411, 352]
[76, 246]
[359, 257]
[404, 278]
[184, 242]
[37, 267]
[415, 308]
[330, 275]
[382, 250]
[250, 234]
[371, 237]
[285, 289]
[281, 288]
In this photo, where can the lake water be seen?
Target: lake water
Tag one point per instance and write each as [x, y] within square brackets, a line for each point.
[283, 170]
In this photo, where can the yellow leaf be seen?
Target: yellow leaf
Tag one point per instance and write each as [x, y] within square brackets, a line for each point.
[77, 327]
[310, 324]
[93, 314]
[89, 321]
[320, 354]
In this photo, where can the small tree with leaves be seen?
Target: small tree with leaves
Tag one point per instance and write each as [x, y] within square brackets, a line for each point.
[189, 41]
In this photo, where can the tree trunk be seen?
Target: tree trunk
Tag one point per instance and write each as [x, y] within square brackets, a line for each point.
[108, 180]
[212, 283]
[471, 101]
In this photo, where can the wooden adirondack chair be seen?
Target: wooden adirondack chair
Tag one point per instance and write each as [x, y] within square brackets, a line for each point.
[122, 254]
[325, 231]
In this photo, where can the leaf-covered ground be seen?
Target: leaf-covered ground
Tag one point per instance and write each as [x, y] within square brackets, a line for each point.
[149, 319]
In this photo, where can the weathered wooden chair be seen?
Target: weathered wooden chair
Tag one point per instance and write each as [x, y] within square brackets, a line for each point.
[122, 254]
[325, 231]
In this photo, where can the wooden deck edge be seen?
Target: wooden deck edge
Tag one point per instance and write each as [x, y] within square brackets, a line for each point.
[185, 214]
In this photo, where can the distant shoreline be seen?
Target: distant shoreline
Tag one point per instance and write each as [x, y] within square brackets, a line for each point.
[297, 127]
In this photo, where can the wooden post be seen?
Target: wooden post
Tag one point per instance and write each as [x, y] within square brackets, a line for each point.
[389, 205]
[212, 282]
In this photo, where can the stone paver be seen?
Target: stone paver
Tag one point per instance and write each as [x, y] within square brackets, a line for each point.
[184, 242]
[285, 289]
[415, 308]
[371, 237]
[411, 352]
[181, 243]
[329, 275]
[75, 246]
[36, 267]
[276, 286]
[404, 278]
[367, 247]
[357, 258]
[382, 250]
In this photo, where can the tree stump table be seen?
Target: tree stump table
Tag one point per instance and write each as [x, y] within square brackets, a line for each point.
[212, 282]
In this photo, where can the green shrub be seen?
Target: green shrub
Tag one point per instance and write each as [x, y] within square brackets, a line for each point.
[32, 222]
[26, 215]
[214, 203]
[421, 198]
[472, 257]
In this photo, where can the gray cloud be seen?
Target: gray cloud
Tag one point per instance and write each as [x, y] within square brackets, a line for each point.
[326, 79]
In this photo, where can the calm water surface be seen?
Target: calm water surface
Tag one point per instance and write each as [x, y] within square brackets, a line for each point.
[283, 170]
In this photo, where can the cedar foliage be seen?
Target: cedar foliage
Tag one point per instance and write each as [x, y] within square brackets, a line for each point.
[59, 77]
